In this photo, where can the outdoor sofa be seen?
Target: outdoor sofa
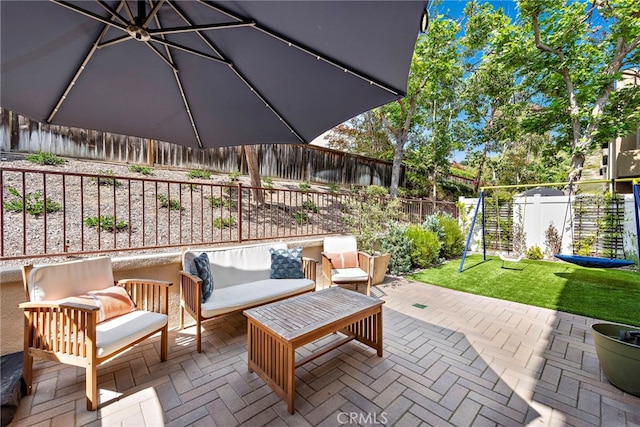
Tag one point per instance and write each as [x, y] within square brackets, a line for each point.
[221, 281]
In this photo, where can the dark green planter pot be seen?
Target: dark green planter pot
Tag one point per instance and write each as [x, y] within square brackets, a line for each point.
[620, 361]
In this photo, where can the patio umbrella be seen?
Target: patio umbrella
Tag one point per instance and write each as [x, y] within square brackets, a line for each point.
[205, 73]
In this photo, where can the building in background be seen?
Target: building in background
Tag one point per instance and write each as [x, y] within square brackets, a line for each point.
[621, 157]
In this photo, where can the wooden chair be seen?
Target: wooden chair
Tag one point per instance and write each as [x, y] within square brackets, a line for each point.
[343, 264]
[65, 303]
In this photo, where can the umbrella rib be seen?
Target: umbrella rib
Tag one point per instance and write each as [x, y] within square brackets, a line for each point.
[113, 13]
[79, 71]
[188, 50]
[129, 12]
[176, 30]
[308, 51]
[112, 42]
[90, 15]
[330, 61]
[168, 60]
[267, 104]
[153, 12]
[185, 101]
[240, 75]
[182, 15]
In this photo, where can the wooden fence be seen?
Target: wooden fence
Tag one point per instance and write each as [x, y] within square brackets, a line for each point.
[294, 162]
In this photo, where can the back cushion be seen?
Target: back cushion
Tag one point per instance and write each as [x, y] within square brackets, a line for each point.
[343, 259]
[112, 302]
[233, 266]
[56, 281]
[340, 244]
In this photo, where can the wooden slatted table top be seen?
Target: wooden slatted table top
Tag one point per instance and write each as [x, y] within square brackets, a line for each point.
[296, 316]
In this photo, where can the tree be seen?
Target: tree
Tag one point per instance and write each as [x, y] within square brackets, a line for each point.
[433, 77]
[364, 135]
[254, 172]
[490, 90]
[569, 55]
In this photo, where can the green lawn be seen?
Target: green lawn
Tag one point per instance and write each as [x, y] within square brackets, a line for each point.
[607, 294]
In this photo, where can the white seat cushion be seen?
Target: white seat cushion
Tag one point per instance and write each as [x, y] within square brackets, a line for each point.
[238, 297]
[116, 333]
[348, 275]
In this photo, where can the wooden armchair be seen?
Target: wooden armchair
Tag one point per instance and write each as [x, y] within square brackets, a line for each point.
[343, 264]
[75, 315]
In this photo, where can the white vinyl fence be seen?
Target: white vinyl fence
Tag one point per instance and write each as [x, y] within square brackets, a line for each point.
[537, 212]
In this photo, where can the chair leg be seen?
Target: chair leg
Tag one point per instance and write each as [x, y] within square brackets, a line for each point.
[181, 317]
[199, 336]
[164, 343]
[92, 386]
[27, 370]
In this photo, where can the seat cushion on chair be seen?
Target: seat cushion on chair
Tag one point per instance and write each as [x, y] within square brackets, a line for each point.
[121, 331]
[348, 275]
[246, 295]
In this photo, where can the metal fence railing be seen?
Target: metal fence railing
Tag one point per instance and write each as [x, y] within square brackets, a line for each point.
[54, 213]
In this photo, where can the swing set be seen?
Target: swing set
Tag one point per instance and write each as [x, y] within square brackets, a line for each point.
[585, 261]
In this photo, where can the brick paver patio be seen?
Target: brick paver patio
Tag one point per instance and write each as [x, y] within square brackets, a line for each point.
[460, 360]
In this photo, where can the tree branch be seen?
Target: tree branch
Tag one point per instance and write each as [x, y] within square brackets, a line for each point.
[536, 34]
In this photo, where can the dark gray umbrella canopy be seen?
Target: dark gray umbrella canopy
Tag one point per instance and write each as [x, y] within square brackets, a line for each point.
[254, 71]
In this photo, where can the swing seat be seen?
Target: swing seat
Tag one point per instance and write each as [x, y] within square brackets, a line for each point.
[594, 262]
[510, 259]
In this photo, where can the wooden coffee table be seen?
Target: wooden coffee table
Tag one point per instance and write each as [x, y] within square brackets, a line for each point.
[276, 330]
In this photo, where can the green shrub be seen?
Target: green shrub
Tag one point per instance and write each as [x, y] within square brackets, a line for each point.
[395, 242]
[449, 234]
[105, 180]
[172, 204]
[216, 202]
[583, 246]
[106, 222]
[310, 205]
[426, 247]
[198, 174]
[225, 222]
[376, 191]
[33, 203]
[304, 187]
[267, 183]
[334, 188]
[144, 170]
[432, 223]
[452, 239]
[234, 176]
[301, 217]
[534, 252]
[43, 158]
